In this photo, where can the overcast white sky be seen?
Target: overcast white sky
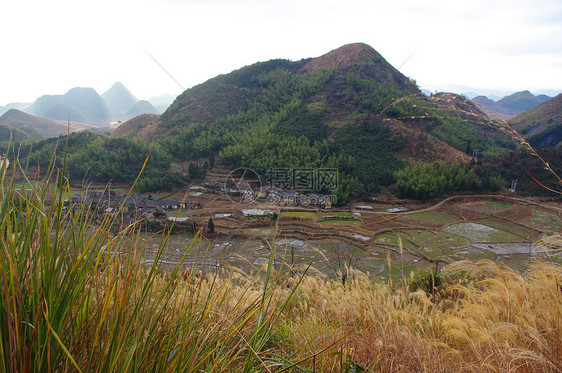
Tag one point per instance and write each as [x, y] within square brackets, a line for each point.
[49, 47]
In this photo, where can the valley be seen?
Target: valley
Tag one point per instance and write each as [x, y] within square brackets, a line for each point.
[382, 244]
[419, 180]
[415, 175]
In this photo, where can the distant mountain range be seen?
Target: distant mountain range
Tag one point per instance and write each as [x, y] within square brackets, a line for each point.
[83, 107]
[78, 105]
[512, 105]
[493, 94]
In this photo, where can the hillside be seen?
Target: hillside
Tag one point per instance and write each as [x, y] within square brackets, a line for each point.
[140, 126]
[15, 134]
[348, 109]
[78, 104]
[542, 125]
[349, 104]
[511, 105]
[27, 126]
[227, 94]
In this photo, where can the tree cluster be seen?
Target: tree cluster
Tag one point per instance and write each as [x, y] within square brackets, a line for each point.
[425, 181]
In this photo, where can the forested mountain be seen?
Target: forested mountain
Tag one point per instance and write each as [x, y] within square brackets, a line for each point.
[348, 109]
[328, 79]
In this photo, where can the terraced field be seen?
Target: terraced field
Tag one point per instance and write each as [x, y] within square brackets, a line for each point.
[381, 243]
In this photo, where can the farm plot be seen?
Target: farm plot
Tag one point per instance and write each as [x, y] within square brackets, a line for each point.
[338, 214]
[343, 222]
[445, 240]
[298, 214]
[437, 216]
[483, 233]
[470, 253]
[506, 225]
[544, 221]
[419, 236]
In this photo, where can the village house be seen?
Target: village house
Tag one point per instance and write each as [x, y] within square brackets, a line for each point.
[109, 203]
[191, 204]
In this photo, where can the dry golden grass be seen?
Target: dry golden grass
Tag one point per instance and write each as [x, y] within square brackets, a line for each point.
[485, 319]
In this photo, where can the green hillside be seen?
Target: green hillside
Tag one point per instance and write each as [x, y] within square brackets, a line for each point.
[542, 125]
[8, 132]
[349, 110]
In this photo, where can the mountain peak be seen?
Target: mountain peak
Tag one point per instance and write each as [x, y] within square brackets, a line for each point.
[119, 99]
[118, 89]
[117, 85]
[11, 112]
[83, 91]
[512, 105]
[520, 95]
[224, 94]
[363, 59]
[83, 103]
[355, 50]
[342, 56]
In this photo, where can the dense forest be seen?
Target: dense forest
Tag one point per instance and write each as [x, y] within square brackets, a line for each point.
[87, 157]
[427, 181]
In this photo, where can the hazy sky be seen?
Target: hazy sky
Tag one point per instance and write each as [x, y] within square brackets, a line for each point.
[49, 47]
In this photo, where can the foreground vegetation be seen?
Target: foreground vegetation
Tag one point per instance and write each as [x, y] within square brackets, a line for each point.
[77, 297]
[482, 318]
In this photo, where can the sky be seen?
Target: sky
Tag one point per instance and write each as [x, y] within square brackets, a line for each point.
[48, 47]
